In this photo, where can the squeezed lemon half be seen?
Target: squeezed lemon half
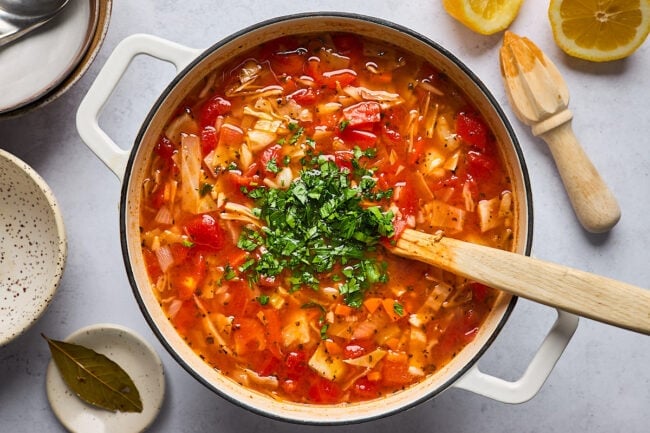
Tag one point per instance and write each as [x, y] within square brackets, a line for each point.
[484, 16]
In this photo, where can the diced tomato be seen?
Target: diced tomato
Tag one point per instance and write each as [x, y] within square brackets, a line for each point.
[479, 291]
[248, 335]
[237, 298]
[269, 365]
[312, 68]
[305, 96]
[343, 159]
[340, 77]
[213, 108]
[479, 165]
[180, 252]
[290, 386]
[356, 137]
[354, 349]
[288, 62]
[248, 178]
[324, 391]
[396, 372]
[365, 389]
[272, 331]
[471, 322]
[393, 118]
[348, 45]
[186, 316]
[391, 134]
[188, 275]
[471, 128]
[362, 113]
[164, 148]
[296, 364]
[230, 135]
[415, 152]
[157, 197]
[204, 230]
[151, 264]
[271, 153]
[407, 200]
[399, 225]
[208, 139]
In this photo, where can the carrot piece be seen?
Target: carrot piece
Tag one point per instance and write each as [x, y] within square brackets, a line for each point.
[332, 347]
[389, 307]
[374, 376]
[392, 343]
[372, 304]
[342, 310]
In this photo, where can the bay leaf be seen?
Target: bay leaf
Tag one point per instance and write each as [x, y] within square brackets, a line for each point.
[95, 378]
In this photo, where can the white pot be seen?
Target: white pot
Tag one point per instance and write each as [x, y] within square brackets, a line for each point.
[192, 66]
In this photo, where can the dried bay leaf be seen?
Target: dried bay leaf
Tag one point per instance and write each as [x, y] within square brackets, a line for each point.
[95, 378]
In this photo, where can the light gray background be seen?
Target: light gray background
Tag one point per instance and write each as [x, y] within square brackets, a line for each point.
[601, 384]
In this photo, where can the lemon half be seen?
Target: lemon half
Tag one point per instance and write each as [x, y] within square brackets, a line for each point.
[599, 30]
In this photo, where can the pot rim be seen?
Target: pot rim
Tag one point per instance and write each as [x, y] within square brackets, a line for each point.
[182, 75]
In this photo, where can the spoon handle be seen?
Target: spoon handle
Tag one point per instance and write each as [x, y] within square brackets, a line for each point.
[572, 290]
[593, 202]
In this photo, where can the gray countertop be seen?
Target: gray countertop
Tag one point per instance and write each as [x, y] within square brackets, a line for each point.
[600, 385]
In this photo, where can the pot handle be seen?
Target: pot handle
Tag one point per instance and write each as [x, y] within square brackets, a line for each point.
[535, 375]
[109, 76]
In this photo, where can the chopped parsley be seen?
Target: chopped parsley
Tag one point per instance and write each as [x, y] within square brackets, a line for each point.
[263, 299]
[206, 188]
[323, 331]
[344, 124]
[272, 166]
[229, 273]
[398, 308]
[317, 227]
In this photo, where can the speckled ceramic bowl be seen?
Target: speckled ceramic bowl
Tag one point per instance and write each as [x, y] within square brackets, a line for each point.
[32, 246]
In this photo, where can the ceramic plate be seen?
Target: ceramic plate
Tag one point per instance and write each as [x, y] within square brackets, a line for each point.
[136, 357]
[35, 64]
[32, 246]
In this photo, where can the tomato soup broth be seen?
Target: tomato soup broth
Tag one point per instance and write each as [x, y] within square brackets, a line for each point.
[273, 197]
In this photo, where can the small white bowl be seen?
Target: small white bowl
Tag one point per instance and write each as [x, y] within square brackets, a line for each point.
[136, 357]
[32, 246]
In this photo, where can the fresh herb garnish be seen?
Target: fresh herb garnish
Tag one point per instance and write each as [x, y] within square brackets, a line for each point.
[229, 273]
[187, 243]
[323, 331]
[297, 133]
[318, 226]
[344, 124]
[263, 299]
[272, 166]
[206, 188]
[398, 308]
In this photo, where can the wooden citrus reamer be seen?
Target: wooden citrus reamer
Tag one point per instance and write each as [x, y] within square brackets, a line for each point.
[539, 97]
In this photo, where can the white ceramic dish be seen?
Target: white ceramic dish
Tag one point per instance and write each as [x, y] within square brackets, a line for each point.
[32, 246]
[136, 357]
[35, 64]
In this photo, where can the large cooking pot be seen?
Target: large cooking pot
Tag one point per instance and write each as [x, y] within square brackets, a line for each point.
[192, 66]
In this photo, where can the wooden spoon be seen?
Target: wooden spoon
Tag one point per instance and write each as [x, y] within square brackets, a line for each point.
[539, 97]
[572, 290]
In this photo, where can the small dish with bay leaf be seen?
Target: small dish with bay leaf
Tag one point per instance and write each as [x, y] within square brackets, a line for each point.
[263, 189]
[104, 377]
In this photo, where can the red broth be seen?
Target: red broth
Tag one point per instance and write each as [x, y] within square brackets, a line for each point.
[273, 194]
